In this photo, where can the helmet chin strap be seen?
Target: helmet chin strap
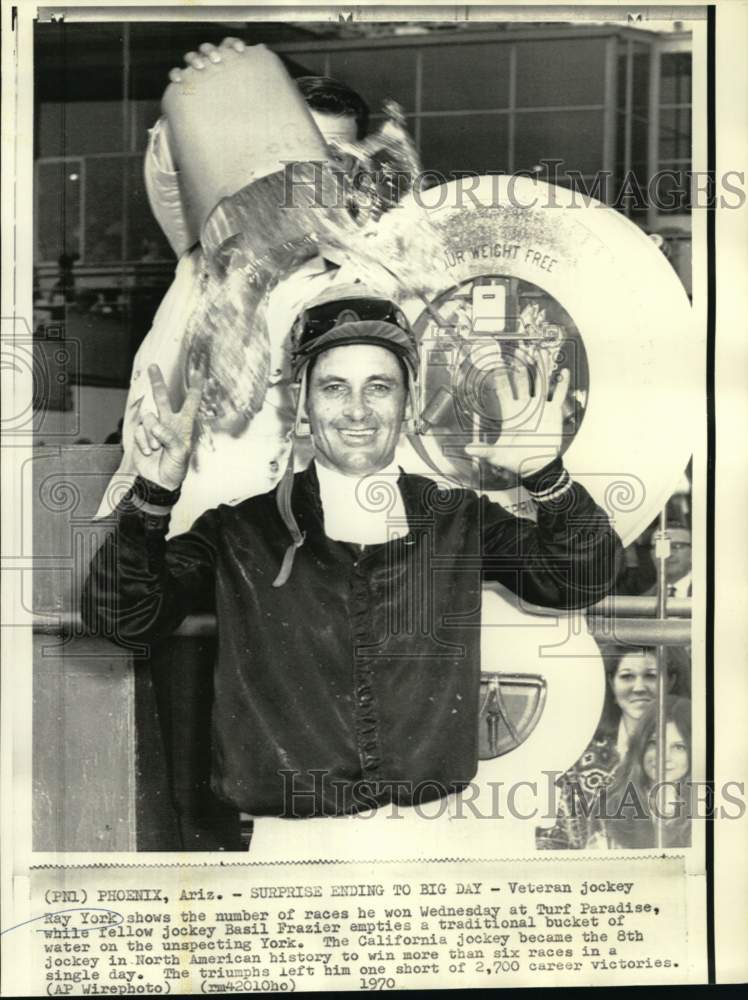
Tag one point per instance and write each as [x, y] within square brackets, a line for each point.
[301, 425]
[284, 490]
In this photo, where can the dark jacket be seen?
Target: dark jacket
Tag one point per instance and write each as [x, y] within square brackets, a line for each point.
[358, 680]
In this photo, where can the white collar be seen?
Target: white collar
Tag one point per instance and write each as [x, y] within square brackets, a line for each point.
[337, 479]
[361, 509]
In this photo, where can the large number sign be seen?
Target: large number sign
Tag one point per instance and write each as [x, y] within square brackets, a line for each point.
[525, 263]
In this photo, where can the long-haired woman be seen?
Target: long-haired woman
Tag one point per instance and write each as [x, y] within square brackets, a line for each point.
[631, 689]
[634, 801]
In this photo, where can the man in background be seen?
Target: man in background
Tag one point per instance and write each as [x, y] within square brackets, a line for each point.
[677, 564]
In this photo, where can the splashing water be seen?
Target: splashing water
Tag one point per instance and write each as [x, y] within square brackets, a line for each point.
[257, 237]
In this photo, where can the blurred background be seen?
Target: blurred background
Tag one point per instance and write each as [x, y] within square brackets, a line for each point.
[489, 97]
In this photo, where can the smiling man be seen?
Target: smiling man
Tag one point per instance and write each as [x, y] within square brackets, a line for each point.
[347, 599]
[356, 402]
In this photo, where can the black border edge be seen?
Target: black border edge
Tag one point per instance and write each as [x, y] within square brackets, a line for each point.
[711, 13]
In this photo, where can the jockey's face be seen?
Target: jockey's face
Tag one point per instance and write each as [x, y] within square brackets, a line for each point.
[356, 404]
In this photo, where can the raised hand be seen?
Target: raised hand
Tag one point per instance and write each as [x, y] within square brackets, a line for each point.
[531, 398]
[206, 55]
[164, 439]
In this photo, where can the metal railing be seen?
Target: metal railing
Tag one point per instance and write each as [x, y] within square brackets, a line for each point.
[628, 620]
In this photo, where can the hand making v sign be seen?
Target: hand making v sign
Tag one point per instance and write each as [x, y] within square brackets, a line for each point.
[164, 440]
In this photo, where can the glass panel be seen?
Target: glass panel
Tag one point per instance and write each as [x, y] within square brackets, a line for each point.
[80, 127]
[620, 139]
[50, 130]
[631, 195]
[144, 239]
[58, 197]
[560, 72]
[103, 209]
[576, 137]
[675, 133]
[640, 82]
[675, 78]
[78, 62]
[378, 74]
[639, 136]
[98, 323]
[465, 143]
[621, 64]
[672, 192]
[465, 77]
[54, 376]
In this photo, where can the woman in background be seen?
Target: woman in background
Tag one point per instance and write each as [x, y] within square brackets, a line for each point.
[631, 690]
[631, 806]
